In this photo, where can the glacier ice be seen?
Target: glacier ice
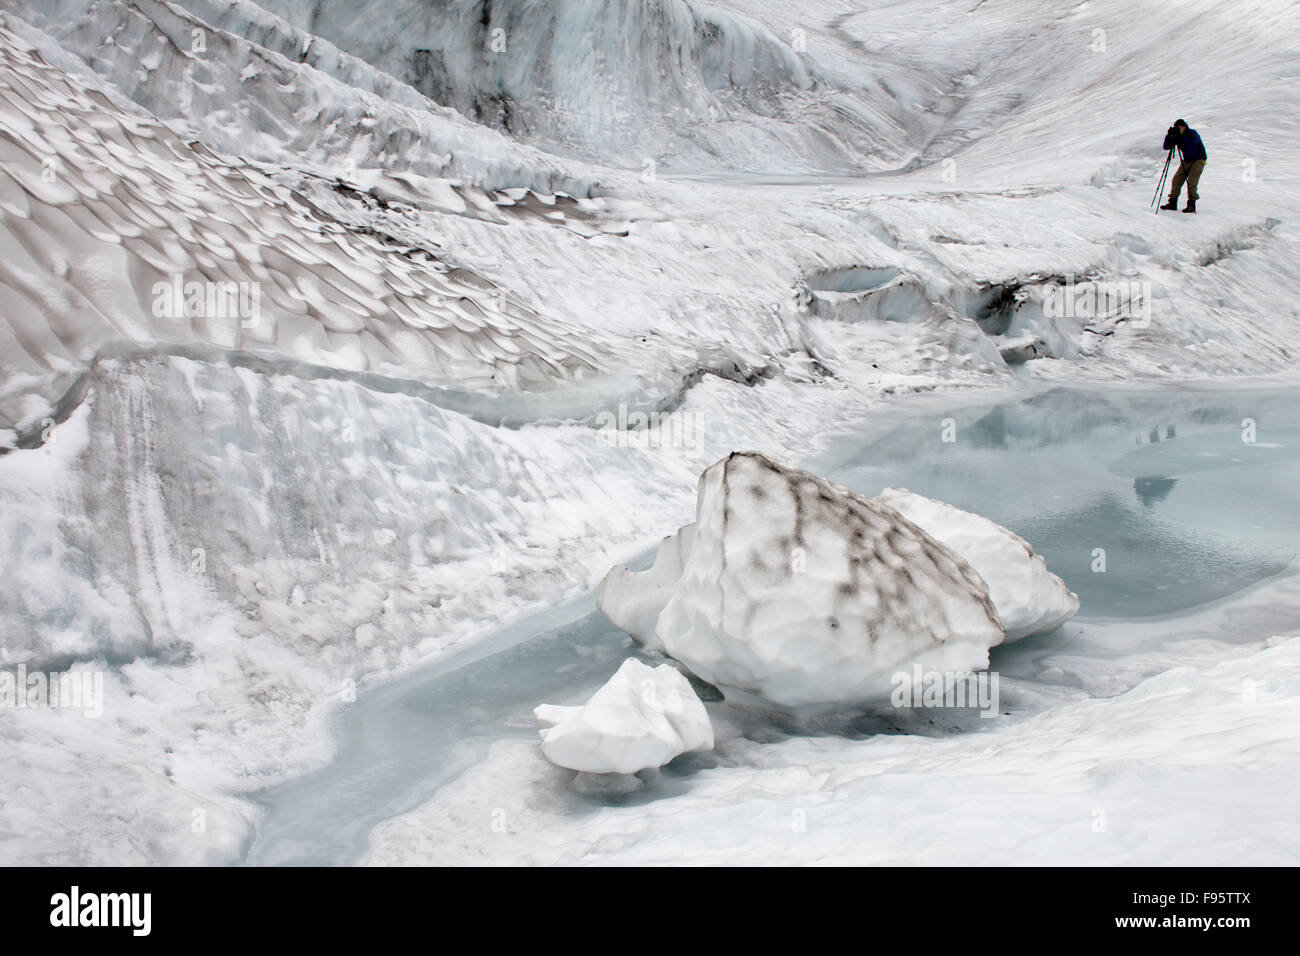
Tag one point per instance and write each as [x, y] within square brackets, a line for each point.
[641, 718]
[269, 92]
[803, 592]
[1029, 598]
[633, 600]
[147, 217]
[239, 523]
[693, 84]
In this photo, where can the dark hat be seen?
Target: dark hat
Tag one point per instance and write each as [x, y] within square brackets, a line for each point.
[1181, 122]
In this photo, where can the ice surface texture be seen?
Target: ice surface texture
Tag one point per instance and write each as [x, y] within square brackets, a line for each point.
[615, 82]
[634, 600]
[98, 207]
[264, 90]
[642, 718]
[806, 593]
[1029, 598]
[330, 560]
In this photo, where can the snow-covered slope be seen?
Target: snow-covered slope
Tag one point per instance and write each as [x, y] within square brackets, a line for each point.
[634, 83]
[116, 231]
[845, 203]
[246, 83]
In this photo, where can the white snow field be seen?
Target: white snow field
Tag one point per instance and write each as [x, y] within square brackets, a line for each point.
[348, 345]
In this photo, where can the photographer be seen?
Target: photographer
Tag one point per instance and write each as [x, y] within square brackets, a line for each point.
[1192, 152]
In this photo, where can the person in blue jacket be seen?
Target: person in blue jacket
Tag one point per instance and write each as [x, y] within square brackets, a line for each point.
[1192, 152]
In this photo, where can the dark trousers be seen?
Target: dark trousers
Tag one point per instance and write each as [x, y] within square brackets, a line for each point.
[1191, 174]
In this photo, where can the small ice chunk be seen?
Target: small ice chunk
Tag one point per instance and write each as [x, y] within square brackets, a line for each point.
[643, 717]
[1029, 598]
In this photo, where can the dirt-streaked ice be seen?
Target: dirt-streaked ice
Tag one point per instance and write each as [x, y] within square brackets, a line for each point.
[803, 592]
[1029, 598]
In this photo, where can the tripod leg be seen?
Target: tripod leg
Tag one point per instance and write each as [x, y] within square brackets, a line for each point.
[1160, 187]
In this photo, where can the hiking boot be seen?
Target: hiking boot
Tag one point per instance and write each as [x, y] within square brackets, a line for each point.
[1172, 204]
[1191, 206]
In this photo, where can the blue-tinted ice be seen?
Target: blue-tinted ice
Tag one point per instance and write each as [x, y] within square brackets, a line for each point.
[1184, 509]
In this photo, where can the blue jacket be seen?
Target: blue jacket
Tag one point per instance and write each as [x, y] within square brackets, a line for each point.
[1189, 145]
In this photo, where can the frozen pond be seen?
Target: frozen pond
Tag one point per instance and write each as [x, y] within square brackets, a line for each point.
[1183, 509]
[1147, 503]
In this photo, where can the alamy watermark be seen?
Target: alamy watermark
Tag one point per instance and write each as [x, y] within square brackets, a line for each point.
[625, 429]
[66, 690]
[130, 910]
[1128, 299]
[178, 299]
[924, 689]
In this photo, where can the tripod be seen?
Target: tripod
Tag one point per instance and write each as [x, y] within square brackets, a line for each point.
[1160, 187]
